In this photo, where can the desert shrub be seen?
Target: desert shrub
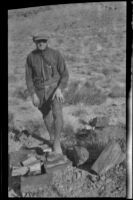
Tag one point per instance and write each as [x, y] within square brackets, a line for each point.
[89, 137]
[68, 130]
[13, 145]
[28, 12]
[86, 60]
[106, 71]
[60, 41]
[21, 93]
[89, 73]
[71, 58]
[36, 127]
[68, 137]
[79, 112]
[116, 70]
[117, 91]
[87, 94]
[82, 72]
[71, 91]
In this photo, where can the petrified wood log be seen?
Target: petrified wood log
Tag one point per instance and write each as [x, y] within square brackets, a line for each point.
[109, 157]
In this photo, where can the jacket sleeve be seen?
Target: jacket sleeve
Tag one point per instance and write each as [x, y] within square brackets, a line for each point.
[28, 76]
[63, 71]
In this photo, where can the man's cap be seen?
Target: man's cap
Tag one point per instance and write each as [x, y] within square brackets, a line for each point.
[40, 37]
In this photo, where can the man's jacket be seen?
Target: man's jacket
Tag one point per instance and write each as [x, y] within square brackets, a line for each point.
[44, 68]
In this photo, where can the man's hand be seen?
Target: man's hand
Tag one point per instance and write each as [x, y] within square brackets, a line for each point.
[35, 100]
[58, 95]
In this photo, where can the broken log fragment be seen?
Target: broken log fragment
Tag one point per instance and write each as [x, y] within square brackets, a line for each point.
[55, 163]
[109, 157]
[29, 161]
[19, 171]
[53, 157]
[35, 168]
[60, 165]
[32, 168]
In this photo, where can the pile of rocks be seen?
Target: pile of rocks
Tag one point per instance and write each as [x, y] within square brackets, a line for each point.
[36, 167]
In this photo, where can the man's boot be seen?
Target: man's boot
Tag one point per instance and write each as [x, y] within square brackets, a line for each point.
[57, 153]
[57, 147]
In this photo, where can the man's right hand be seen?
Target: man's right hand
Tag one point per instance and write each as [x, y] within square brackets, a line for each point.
[35, 100]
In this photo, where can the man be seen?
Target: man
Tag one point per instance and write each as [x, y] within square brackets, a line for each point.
[46, 78]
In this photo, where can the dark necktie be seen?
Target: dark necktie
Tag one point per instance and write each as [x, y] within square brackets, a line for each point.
[44, 69]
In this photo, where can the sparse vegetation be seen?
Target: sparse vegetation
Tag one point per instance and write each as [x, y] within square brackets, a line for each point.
[106, 71]
[92, 38]
[71, 91]
[87, 94]
[21, 93]
[80, 112]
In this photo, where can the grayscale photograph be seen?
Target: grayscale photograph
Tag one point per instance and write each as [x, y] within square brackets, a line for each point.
[67, 100]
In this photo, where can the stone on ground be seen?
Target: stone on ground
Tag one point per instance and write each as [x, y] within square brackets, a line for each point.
[78, 155]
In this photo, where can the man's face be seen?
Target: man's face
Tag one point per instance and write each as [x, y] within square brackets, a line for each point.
[41, 44]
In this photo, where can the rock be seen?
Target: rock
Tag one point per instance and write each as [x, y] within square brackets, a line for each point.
[12, 193]
[109, 157]
[48, 149]
[77, 154]
[80, 155]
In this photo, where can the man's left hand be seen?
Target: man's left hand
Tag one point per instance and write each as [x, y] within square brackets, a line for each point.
[58, 95]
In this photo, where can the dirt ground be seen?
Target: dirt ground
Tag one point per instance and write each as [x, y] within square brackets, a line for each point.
[92, 39]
